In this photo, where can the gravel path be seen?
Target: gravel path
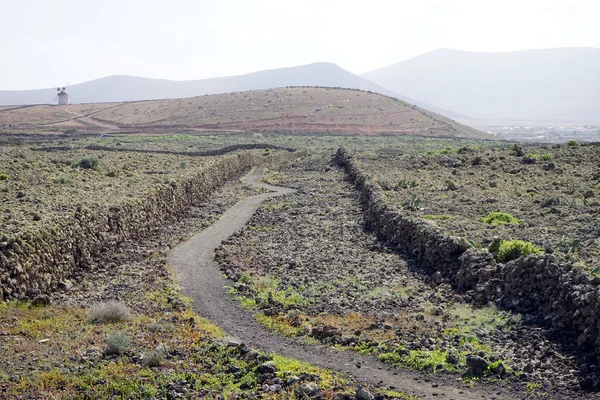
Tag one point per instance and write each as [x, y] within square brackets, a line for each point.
[202, 281]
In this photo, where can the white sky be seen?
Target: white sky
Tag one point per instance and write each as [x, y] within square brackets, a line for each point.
[45, 43]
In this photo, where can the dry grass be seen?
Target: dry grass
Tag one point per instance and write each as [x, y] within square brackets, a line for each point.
[109, 312]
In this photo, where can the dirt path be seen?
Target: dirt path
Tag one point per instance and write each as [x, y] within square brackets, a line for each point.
[202, 281]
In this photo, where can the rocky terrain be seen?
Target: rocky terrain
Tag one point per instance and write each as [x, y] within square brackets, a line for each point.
[307, 265]
[551, 191]
[123, 329]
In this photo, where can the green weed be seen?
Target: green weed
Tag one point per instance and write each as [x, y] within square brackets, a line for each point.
[509, 250]
[500, 218]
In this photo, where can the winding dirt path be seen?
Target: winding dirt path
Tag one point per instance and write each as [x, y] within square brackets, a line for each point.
[202, 281]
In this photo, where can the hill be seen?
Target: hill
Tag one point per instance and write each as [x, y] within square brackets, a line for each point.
[553, 86]
[120, 88]
[286, 110]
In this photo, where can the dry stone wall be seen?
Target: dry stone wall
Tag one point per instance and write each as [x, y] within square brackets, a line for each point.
[35, 262]
[559, 295]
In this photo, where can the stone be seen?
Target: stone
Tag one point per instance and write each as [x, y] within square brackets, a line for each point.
[309, 391]
[267, 368]
[363, 394]
[65, 285]
[476, 365]
[41, 300]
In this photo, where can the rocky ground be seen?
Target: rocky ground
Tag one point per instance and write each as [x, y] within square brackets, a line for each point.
[306, 263]
[551, 191]
[37, 186]
[123, 330]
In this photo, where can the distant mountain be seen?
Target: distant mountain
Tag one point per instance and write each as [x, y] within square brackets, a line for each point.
[553, 86]
[130, 88]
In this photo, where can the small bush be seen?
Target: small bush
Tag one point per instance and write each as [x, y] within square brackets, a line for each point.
[450, 184]
[3, 177]
[87, 163]
[112, 311]
[63, 180]
[512, 249]
[500, 218]
[546, 157]
[117, 343]
[153, 358]
[572, 143]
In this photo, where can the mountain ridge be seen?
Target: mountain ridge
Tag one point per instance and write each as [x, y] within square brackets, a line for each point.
[541, 85]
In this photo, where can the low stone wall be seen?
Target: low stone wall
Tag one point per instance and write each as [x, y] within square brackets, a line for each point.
[559, 295]
[207, 153]
[35, 262]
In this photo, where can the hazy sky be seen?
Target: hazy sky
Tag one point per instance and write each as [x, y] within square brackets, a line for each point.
[45, 43]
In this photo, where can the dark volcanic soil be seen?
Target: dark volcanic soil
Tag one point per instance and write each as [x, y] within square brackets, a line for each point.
[306, 263]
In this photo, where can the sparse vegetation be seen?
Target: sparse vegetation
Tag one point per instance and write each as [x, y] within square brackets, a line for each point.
[109, 312]
[509, 250]
[500, 218]
[117, 343]
[87, 163]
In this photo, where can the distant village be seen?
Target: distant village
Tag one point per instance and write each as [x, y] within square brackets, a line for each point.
[546, 133]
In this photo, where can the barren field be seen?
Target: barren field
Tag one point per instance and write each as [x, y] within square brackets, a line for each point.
[551, 193]
[285, 110]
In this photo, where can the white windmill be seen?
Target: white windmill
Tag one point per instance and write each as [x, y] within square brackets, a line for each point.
[62, 97]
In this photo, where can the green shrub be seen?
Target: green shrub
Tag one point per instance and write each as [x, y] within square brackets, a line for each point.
[3, 177]
[572, 143]
[500, 218]
[87, 163]
[512, 249]
[546, 157]
[117, 343]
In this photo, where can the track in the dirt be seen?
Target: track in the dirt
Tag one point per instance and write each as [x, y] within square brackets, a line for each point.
[202, 281]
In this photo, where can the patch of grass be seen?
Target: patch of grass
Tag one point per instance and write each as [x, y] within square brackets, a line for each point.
[279, 324]
[3, 177]
[436, 217]
[160, 327]
[63, 180]
[500, 218]
[288, 366]
[512, 249]
[109, 312]
[419, 359]
[546, 157]
[117, 343]
[153, 358]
